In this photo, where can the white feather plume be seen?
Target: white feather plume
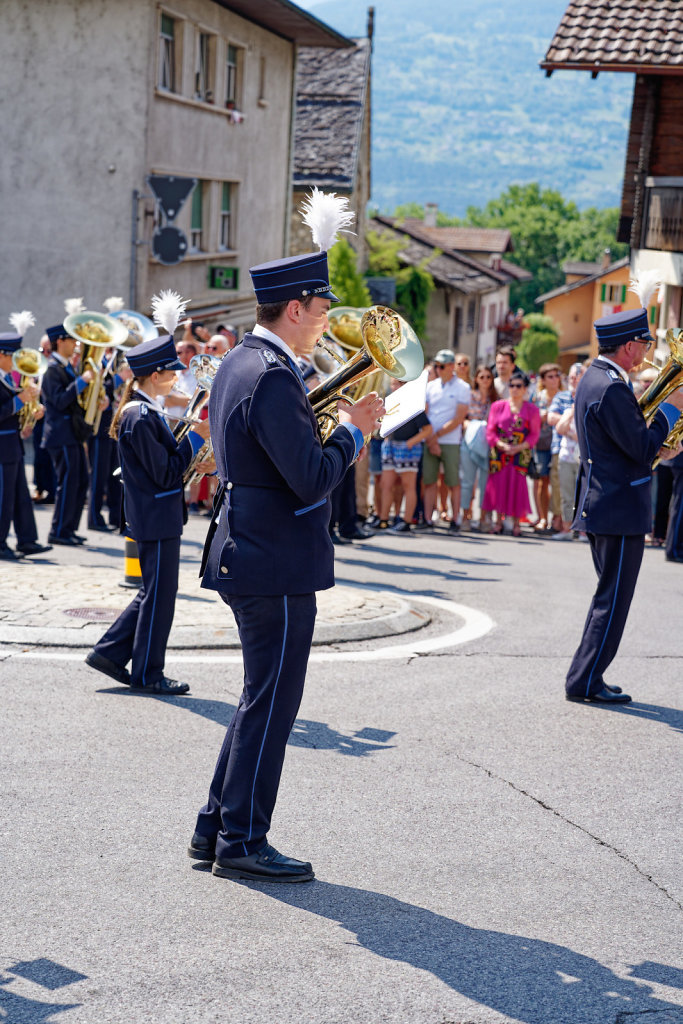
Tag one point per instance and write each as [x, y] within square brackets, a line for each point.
[167, 309]
[114, 304]
[326, 214]
[645, 285]
[22, 321]
[72, 306]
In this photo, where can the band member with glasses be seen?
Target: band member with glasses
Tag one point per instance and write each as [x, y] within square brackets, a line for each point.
[614, 507]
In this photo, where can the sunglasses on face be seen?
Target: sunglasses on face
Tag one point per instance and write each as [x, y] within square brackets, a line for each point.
[439, 366]
[516, 385]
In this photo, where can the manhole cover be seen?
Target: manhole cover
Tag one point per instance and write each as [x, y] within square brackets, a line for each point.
[94, 614]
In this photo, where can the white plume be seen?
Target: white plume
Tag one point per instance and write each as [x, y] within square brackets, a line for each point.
[645, 285]
[114, 304]
[22, 321]
[73, 306]
[167, 309]
[326, 214]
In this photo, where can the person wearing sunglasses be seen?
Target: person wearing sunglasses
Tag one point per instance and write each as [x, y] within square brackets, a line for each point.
[614, 507]
[512, 431]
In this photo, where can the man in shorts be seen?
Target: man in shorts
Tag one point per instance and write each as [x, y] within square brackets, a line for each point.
[448, 399]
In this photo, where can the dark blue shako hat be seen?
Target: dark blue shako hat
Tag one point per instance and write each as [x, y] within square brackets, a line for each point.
[618, 328]
[157, 354]
[292, 278]
[10, 342]
[56, 332]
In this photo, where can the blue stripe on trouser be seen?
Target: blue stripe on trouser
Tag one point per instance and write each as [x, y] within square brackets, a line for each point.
[611, 616]
[270, 715]
[244, 787]
[154, 608]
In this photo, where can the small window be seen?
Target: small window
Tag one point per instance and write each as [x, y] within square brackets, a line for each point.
[203, 84]
[197, 219]
[231, 78]
[226, 225]
[167, 54]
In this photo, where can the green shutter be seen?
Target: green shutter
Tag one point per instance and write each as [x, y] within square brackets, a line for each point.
[225, 205]
[603, 289]
[653, 314]
[197, 207]
[623, 293]
[167, 26]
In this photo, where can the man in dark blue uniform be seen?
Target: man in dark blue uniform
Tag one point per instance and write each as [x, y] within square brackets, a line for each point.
[63, 436]
[270, 550]
[15, 501]
[613, 492]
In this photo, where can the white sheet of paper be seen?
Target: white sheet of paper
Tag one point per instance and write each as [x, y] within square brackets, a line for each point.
[404, 404]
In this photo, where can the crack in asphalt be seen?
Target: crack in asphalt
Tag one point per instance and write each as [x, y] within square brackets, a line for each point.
[568, 821]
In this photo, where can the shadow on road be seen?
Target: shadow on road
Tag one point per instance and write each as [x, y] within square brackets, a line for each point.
[527, 979]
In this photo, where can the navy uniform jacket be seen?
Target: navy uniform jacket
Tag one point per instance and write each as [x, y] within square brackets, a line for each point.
[11, 448]
[272, 535]
[59, 391]
[617, 450]
[152, 467]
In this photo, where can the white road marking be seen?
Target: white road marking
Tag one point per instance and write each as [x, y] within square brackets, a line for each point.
[475, 625]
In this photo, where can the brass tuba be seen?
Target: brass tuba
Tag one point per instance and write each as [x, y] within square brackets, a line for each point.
[31, 364]
[204, 367]
[669, 378]
[96, 332]
[388, 344]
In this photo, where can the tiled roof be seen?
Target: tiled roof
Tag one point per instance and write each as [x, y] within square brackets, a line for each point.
[563, 289]
[493, 240]
[331, 88]
[581, 267]
[604, 35]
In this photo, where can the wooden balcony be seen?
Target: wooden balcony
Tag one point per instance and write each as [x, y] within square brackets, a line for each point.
[663, 215]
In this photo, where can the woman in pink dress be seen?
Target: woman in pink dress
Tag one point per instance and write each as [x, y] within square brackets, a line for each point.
[512, 431]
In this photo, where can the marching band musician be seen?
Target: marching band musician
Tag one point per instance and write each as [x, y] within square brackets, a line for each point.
[152, 466]
[15, 501]
[103, 461]
[613, 507]
[270, 551]
[63, 436]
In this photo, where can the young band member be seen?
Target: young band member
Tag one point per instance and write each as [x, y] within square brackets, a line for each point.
[15, 501]
[152, 467]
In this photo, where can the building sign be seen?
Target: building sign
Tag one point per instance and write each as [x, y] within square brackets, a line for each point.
[170, 192]
[224, 277]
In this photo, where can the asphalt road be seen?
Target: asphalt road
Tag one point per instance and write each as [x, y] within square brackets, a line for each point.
[484, 851]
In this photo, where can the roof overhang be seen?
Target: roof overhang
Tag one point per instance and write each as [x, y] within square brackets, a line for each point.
[598, 67]
[287, 20]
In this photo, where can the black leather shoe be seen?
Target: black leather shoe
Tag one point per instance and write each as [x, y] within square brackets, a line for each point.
[265, 866]
[201, 848]
[79, 538]
[7, 555]
[103, 528]
[357, 534]
[67, 542]
[337, 538]
[613, 689]
[34, 548]
[602, 696]
[108, 667]
[170, 687]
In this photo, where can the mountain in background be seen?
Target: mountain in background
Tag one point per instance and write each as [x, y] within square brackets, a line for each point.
[461, 109]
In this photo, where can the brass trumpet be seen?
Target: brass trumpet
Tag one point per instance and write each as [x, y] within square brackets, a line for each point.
[31, 364]
[388, 344]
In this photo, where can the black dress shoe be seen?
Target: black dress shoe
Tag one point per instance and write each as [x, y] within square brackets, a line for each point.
[34, 548]
[357, 534]
[265, 866]
[337, 538]
[613, 689]
[67, 542]
[7, 555]
[103, 528]
[201, 848]
[79, 538]
[108, 667]
[170, 687]
[602, 696]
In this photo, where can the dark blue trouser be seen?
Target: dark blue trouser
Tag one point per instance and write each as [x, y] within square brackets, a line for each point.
[674, 533]
[43, 470]
[101, 454]
[141, 631]
[15, 504]
[71, 472]
[276, 635]
[617, 563]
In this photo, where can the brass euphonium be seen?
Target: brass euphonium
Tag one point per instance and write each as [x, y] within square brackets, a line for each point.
[669, 378]
[389, 344]
[31, 364]
[96, 332]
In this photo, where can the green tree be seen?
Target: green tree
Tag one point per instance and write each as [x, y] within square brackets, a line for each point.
[347, 282]
[594, 231]
[540, 342]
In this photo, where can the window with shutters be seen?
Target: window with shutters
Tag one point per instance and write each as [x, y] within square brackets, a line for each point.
[197, 218]
[167, 53]
[226, 225]
[204, 61]
[231, 69]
